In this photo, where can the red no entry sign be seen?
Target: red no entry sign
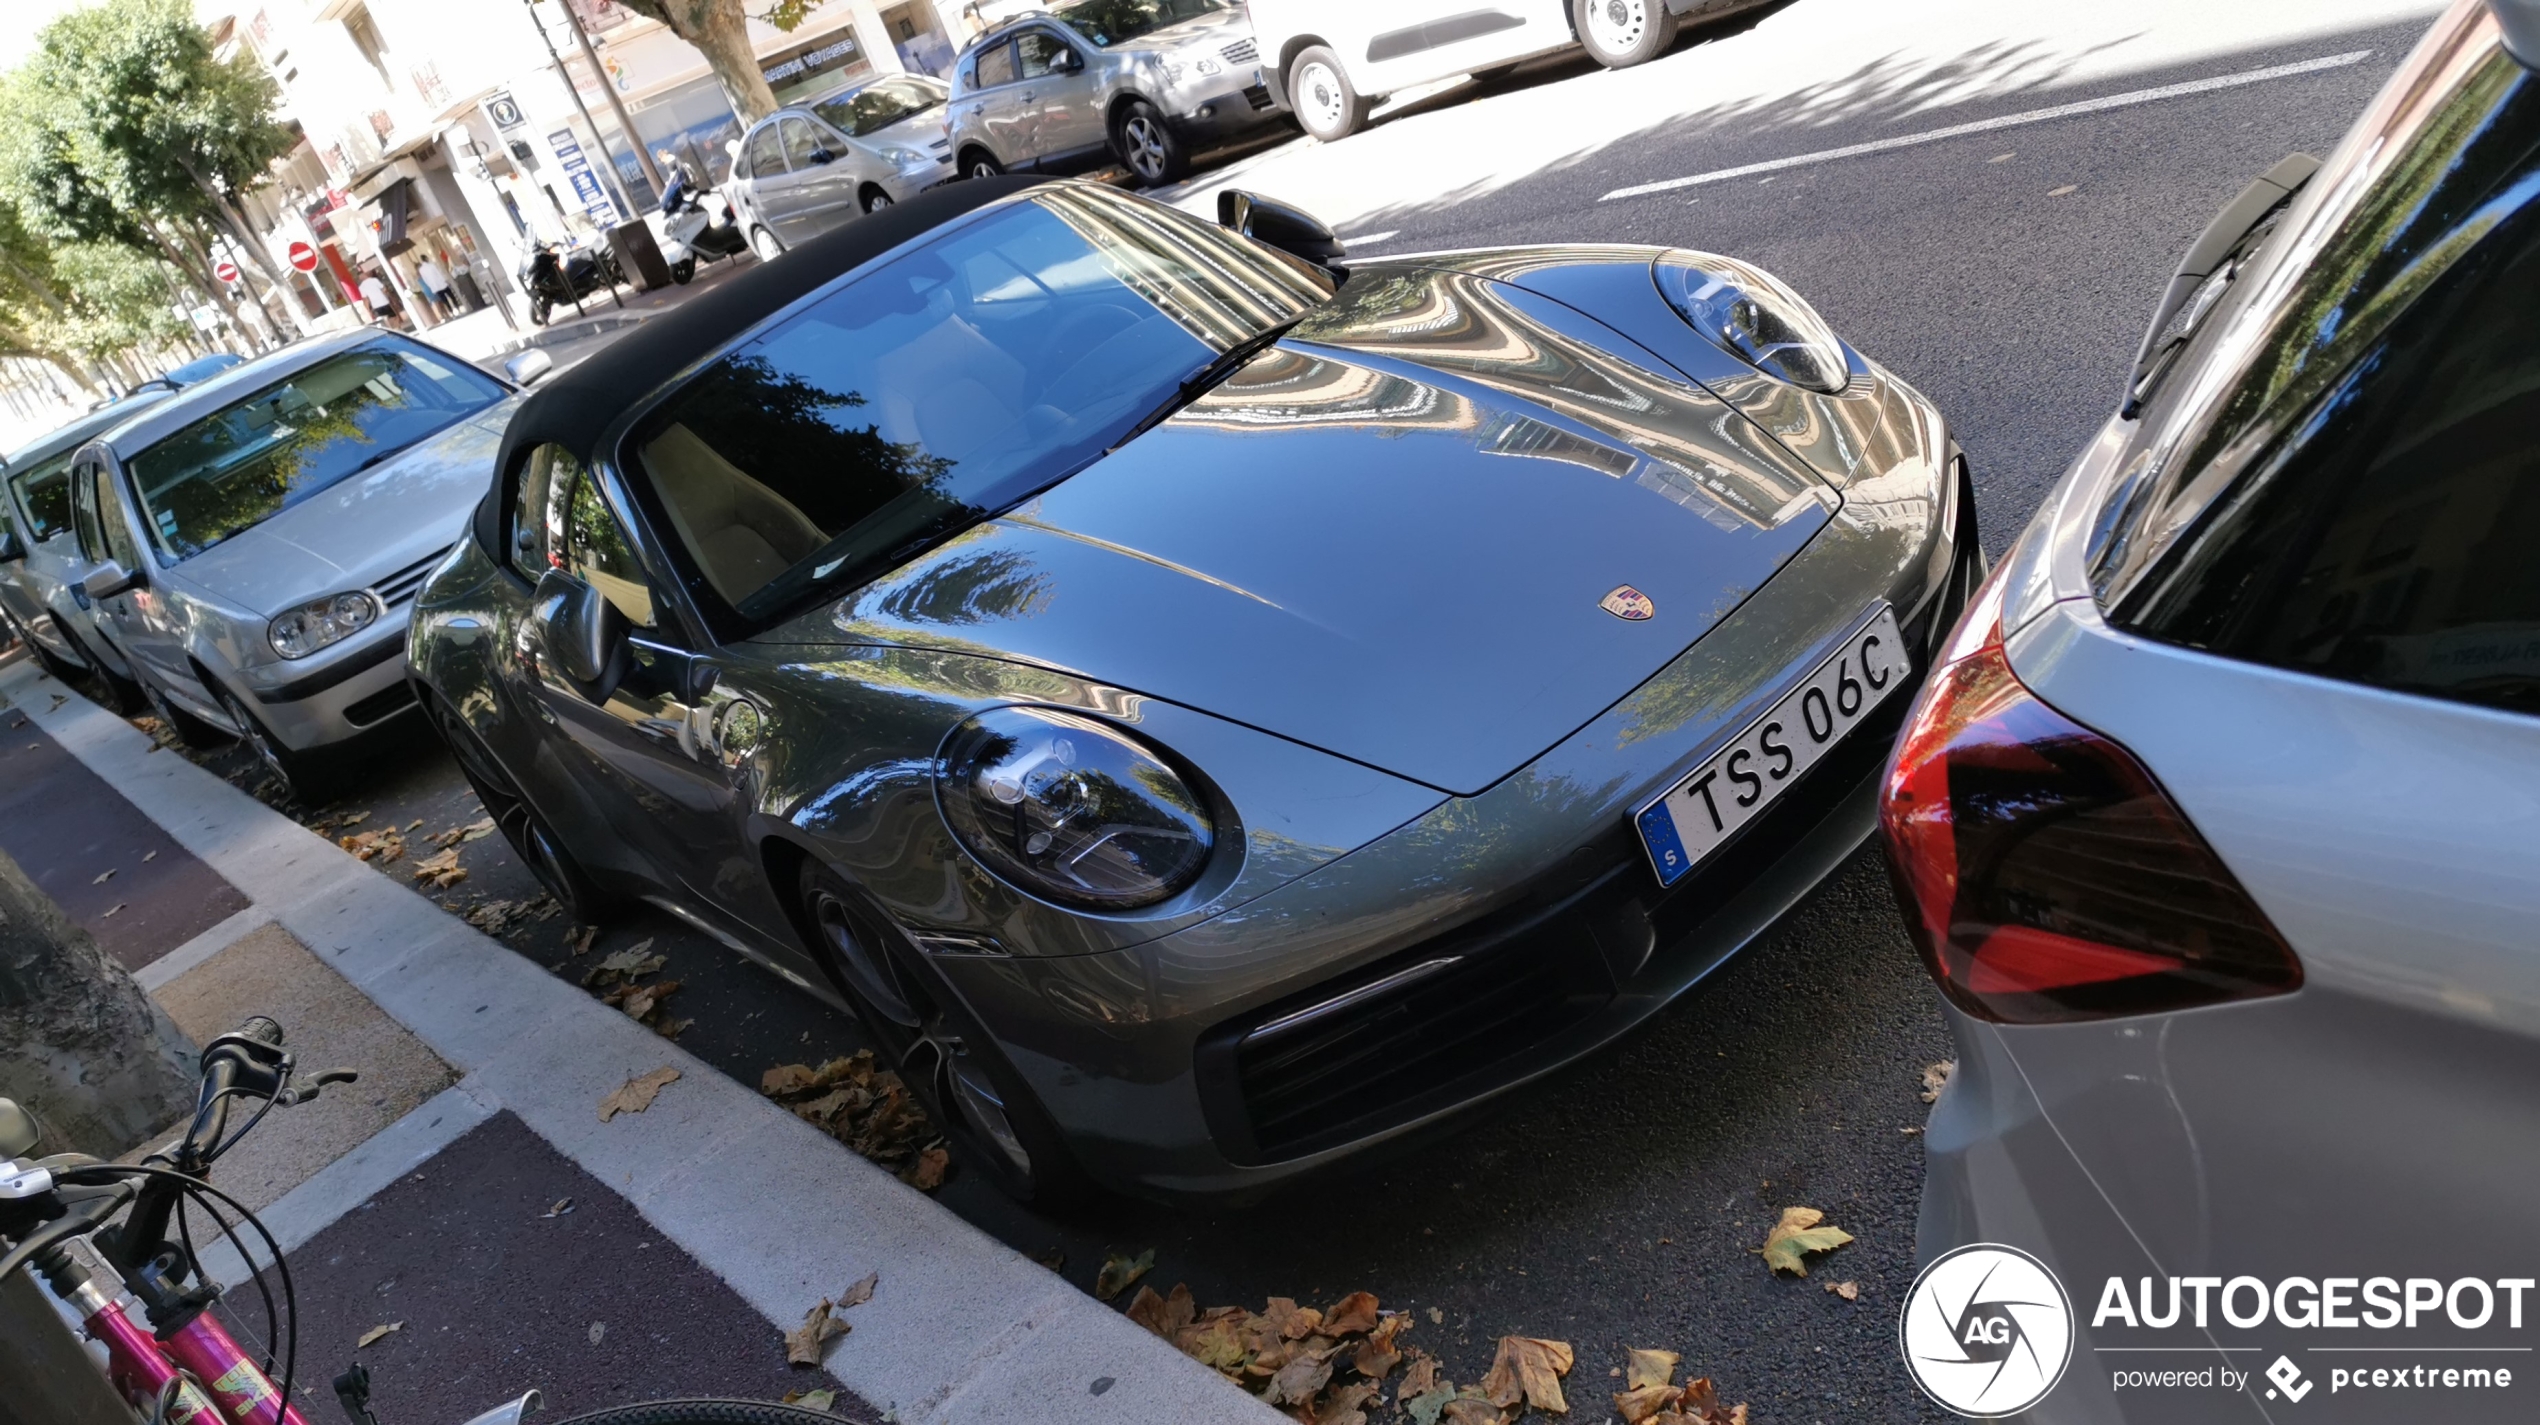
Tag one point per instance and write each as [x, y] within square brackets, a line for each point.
[304, 257]
[227, 271]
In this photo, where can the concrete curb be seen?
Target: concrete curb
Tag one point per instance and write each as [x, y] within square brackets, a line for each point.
[962, 1327]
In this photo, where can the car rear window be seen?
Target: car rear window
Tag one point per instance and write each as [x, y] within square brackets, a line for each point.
[2388, 539]
[237, 467]
[945, 384]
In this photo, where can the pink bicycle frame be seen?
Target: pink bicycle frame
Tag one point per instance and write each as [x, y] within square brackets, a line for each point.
[141, 1366]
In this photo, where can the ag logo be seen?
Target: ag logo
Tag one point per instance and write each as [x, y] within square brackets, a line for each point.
[1987, 1331]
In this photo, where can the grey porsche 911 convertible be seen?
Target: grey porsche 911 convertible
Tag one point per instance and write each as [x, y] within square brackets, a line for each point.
[1208, 705]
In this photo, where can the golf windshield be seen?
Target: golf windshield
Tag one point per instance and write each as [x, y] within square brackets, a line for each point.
[949, 383]
[1112, 22]
[880, 104]
[239, 466]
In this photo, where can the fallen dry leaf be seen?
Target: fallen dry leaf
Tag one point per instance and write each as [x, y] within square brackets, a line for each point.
[1345, 1405]
[1163, 1315]
[112, 909]
[563, 1206]
[1642, 1402]
[1849, 1291]
[1936, 1078]
[1797, 1235]
[803, 1344]
[104, 876]
[581, 939]
[927, 1173]
[1425, 1407]
[1649, 1368]
[377, 1334]
[1352, 1315]
[1120, 1271]
[1297, 1382]
[1529, 1368]
[1421, 1376]
[1376, 1356]
[149, 855]
[811, 1399]
[861, 1292]
[636, 1094]
[1701, 1405]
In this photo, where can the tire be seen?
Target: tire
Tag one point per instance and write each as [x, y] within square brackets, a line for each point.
[304, 778]
[1154, 154]
[122, 695]
[538, 309]
[874, 200]
[764, 243]
[531, 838]
[1621, 33]
[682, 270]
[189, 729]
[922, 1031]
[979, 163]
[704, 1412]
[61, 669]
[1319, 91]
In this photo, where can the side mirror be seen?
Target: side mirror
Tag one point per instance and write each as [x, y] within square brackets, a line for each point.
[1070, 62]
[822, 155]
[11, 549]
[529, 366]
[107, 580]
[1288, 228]
[585, 634]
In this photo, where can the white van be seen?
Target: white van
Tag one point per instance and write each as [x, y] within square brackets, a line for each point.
[1332, 60]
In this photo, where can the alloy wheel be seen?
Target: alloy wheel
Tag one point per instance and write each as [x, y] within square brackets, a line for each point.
[1143, 139]
[876, 201]
[764, 243]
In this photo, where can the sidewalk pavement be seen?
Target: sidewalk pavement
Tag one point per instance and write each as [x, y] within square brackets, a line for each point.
[467, 1195]
[485, 337]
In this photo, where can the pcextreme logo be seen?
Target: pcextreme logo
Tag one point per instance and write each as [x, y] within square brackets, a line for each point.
[1987, 1331]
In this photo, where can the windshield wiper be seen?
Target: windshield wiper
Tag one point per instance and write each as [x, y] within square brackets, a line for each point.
[1226, 363]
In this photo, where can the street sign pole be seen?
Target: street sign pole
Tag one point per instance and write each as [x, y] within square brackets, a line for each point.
[617, 106]
[607, 164]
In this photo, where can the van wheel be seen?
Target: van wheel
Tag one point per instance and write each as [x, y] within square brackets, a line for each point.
[303, 778]
[1621, 33]
[1320, 92]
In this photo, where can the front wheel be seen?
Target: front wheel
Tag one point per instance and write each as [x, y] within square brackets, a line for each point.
[875, 200]
[979, 163]
[303, 779]
[189, 729]
[704, 1412]
[764, 243]
[1621, 33]
[1153, 153]
[682, 270]
[531, 839]
[123, 696]
[1325, 103]
[996, 1124]
[538, 308]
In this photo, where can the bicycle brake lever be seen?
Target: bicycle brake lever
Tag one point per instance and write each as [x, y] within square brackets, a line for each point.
[318, 1083]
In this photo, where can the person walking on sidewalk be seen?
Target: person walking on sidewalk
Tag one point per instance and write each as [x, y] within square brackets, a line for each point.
[383, 307]
[436, 286]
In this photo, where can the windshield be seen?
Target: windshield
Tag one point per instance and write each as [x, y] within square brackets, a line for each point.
[880, 104]
[947, 384]
[1111, 22]
[239, 466]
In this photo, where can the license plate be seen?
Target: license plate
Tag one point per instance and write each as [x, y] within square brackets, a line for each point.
[1731, 789]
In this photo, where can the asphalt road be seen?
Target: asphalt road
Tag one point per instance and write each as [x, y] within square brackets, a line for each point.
[2006, 273]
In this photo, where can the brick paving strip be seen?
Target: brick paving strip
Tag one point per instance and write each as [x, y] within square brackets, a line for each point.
[698, 1230]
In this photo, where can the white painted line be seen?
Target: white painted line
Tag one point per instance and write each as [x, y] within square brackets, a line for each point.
[962, 1328]
[2006, 121]
[355, 1178]
[1371, 237]
[165, 970]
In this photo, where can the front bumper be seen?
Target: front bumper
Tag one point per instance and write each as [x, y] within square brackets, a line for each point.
[338, 694]
[1158, 1061]
[1225, 108]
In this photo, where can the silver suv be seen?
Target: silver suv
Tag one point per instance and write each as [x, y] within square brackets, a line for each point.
[1144, 83]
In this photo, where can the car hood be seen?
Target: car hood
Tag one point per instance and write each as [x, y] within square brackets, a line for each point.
[360, 531]
[1390, 537]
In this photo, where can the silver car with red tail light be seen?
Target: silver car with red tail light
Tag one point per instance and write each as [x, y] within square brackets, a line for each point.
[2218, 819]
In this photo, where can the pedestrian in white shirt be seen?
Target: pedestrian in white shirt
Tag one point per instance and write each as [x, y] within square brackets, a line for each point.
[383, 307]
[436, 286]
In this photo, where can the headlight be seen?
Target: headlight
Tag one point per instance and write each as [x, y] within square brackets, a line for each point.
[312, 626]
[1071, 810]
[1750, 314]
[903, 157]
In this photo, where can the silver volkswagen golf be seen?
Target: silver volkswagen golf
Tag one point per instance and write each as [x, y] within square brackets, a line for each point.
[2218, 821]
[260, 537]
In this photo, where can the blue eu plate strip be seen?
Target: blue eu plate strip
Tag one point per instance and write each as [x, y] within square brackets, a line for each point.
[1666, 852]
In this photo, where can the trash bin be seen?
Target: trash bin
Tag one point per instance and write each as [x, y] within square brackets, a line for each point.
[638, 255]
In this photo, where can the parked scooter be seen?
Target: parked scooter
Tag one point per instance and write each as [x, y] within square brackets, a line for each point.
[696, 224]
[553, 276]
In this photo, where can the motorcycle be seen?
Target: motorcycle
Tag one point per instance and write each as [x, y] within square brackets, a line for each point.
[554, 276]
[691, 229]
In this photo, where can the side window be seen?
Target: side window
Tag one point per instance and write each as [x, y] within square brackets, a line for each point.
[2389, 539]
[598, 552]
[1041, 53]
[111, 522]
[799, 142]
[766, 160]
[48, 505]
[996, 66]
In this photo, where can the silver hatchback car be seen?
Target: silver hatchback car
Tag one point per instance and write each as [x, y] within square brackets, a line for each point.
[1143, 83]
[40, 563]
[804, 170]
[260, 537]
[2218, 823]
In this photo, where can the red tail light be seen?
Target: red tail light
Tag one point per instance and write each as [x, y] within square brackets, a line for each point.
[2045, 874]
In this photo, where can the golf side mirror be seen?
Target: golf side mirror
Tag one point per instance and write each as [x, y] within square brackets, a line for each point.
[1288, 228]
[584, 633]
[11, 550]
[2520, 21]
[107, 580]
[529, 367]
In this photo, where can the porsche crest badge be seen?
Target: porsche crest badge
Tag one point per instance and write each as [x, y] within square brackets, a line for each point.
[1627, 602]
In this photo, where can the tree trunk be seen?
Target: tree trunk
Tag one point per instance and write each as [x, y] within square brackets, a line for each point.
[81, 1047]
[719, 32]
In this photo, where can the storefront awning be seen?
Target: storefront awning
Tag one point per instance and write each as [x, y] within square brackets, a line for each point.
[395, 206]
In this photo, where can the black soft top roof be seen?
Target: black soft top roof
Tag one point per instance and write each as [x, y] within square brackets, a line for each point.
[577, 407]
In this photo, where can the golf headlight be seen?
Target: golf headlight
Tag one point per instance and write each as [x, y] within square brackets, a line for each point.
[321, 624]
[1071, 810]
[1753, 316]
